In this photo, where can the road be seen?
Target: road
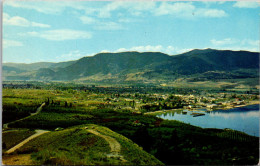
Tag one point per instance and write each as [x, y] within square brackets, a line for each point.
[37, 134]
[5, 126]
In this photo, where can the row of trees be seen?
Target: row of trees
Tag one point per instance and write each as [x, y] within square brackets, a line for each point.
[57, 103]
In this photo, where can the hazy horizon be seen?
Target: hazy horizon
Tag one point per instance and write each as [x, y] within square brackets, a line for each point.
[120, 52]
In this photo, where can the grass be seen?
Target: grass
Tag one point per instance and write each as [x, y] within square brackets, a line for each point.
[12, 138]
[76, 146]
[193, 144]
[26, 93]
[67, 147]
[20, 103]
[53, 120]
[130, 150]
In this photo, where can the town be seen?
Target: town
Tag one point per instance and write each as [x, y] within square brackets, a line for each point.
[143, 99]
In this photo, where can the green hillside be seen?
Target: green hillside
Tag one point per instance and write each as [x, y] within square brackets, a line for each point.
[111, 63]
[153, 67]
[85, 145]
[36, 66]
[208, 60]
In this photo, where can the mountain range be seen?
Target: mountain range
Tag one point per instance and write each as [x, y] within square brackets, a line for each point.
[198, 64]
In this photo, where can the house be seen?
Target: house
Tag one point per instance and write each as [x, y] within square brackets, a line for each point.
[212, 106]
[190, 106]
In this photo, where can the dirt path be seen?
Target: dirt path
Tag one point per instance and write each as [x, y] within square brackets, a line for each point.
[114, 145]
[38, 133]
[21, 159]
[38, 110]
[5, 126]
[9, 131]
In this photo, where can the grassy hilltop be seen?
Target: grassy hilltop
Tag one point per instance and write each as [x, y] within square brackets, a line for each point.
[78, 146]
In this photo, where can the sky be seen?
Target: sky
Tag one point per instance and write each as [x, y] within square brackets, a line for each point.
[55, 31]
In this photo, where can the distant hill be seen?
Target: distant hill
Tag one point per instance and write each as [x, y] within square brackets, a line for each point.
[145, 67]
[210, 59]
[112, 63]
[10, 69]
[37, 65]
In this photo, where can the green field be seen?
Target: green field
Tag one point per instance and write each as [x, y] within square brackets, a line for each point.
[13, 137]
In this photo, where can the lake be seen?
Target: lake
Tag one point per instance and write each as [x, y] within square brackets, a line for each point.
[245, 119]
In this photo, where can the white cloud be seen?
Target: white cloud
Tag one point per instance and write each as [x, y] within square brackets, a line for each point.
[209, 3]
[101, 25]
[226, 41]
[235, 44]
[57, 7]
[72, 55]
[108, 26]
[230, 41]
[134, 8]
[104, 14]
[121, 50]
[239, 48]
[149, 48]
[246, 4]
[184, 9]
[60, 34]
[35, 24]
[105, 51]
[170, 49]
[20, 21]
[87, 20]
[46, 7]
[221, 1]
[127, 20]
[211, 13]
[251, 42]
[11, 43]
[183, 50]
[167, 8]
[16, 20]
[178, 9]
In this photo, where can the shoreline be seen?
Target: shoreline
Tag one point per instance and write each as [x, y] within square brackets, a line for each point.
[196, 109]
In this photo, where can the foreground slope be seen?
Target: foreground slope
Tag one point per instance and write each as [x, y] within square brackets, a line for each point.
[83, 145]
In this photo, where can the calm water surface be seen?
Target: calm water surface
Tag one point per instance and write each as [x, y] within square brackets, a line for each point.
[244, 119]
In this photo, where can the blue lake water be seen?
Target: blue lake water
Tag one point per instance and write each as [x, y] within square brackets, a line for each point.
[245, 119]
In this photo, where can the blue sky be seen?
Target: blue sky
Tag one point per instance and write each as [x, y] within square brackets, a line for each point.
[54, 31]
